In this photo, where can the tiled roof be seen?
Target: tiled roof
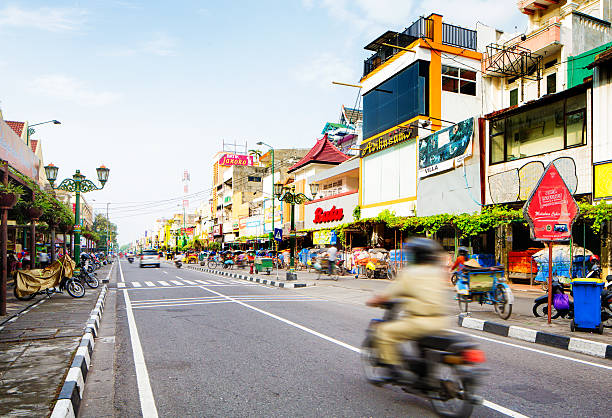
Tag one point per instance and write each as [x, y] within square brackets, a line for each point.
[352, 115]
[33, 144]
[323, 152]
[601, 58]
[16, 126]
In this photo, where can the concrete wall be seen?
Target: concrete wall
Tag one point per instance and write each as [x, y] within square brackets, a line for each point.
[602, 103]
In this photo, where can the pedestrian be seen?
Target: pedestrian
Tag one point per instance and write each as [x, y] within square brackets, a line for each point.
[331, 258]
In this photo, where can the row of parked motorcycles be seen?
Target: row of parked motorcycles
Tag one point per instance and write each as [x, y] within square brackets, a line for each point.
[562, 307]
[74, 283]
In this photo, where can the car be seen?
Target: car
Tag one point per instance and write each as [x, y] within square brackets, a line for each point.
[149, 258]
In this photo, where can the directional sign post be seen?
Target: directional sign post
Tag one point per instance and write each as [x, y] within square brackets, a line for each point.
[551, 211]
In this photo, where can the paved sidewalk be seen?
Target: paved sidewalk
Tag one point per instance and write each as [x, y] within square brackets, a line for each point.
[36, 349]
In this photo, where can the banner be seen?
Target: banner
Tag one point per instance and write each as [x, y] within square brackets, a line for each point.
[278, 209]
[326, 237]
[235, 159]
[445, 149]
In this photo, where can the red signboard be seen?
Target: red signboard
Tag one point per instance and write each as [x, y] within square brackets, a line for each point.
[551, 210]
[236, 159]
[217, 230]
[331, 215]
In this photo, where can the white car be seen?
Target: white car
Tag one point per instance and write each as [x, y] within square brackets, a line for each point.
[149, 258]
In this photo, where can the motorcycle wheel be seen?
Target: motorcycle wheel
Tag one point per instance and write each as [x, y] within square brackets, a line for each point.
[27, 297]
[540, 309]
[92, 281]
[449, 405]
[370, 362]
[504, 307]
[75, 289]
[606, 317]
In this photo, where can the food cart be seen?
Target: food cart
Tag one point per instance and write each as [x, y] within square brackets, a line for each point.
[264, 264]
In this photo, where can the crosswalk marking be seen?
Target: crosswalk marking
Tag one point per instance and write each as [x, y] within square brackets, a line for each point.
[215, 282]
[121, 284]
[163, 283]
[136, 284]
[188, 282]
[150, 284]
[176, 282]
[159, 284]
[202, 282]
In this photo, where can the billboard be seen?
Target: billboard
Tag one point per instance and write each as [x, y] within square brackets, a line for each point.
[445, 149]
[278, 216]
[228, 160]
[603, 181]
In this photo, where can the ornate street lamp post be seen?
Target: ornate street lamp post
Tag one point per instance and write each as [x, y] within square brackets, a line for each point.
[288, 195]
[77, 184]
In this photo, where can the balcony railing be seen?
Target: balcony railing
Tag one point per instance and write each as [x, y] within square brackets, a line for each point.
[422, 28]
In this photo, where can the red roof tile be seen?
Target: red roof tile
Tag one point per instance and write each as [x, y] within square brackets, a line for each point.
[323, 152]
[16, 126]
[33, 144]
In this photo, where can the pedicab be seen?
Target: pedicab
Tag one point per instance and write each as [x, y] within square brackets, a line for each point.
[191, 257]
[263, 263]
[240, 259]
[484, 285]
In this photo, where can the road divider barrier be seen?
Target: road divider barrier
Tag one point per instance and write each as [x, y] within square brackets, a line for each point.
[247, 277]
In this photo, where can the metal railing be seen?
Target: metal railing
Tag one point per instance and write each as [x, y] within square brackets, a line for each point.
[459, 37]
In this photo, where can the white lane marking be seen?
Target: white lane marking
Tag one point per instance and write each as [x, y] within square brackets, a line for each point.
[503, 410]
[147, 401]
[216, 282]
[535, 350]
[176, 282]
[150, 284]
[165, 272]
[136, 284]
[488, 404]
[210, 302]
[188, 282]
[288, 297]
[202, 282]
[120, 284]
[163, 283]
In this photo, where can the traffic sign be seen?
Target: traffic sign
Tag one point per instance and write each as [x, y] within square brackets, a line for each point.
[551, 209]
[278, 234]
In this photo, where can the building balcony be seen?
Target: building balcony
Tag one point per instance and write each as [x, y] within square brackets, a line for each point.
[542, 40]
[529, 7]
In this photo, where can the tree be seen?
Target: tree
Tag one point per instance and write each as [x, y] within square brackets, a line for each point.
[100, 227]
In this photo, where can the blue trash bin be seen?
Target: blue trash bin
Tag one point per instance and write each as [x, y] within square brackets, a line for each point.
[587, 304]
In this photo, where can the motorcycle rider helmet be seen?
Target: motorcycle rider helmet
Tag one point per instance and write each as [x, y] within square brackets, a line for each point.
[594, 259]
[423, 250]
[462, 251]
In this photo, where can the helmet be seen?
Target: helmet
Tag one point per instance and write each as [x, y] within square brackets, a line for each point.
[423, 250]
[594, 259]
[462, 251]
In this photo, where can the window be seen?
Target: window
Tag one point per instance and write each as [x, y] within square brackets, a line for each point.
[254, 178]
[551, 83]
[396, 100]
[550, 63]
[458, 80]
[513, 97]
[546, 128]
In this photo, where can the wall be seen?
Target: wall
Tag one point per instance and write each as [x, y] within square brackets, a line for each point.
[456, 106]
[602, 103]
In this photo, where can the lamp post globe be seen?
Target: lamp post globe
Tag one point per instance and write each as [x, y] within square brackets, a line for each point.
[51, 173]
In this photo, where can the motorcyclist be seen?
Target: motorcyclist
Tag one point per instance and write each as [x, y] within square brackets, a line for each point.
[421, 286]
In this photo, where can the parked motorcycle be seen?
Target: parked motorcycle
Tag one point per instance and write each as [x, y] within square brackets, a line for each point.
[445, 368]
[606, 303]
[89, 279]
[178, 264]
[540, 305]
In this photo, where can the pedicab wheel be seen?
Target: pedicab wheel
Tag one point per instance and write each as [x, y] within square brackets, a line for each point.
[75, 289]
[600, 328]
[463, 303]
[454, 278]
[27, 297]
[503, 307]
[544, 285]
[369, 273]
[572, 326]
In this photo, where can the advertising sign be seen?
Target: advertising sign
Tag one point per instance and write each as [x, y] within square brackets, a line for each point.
[236, 159]
[551, 210]
[278, 208]
[387, 140]
[603, 181]
[331, 215]
[445, 149]
[217, 230]
[324, 237]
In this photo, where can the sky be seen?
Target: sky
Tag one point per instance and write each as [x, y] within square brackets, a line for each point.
[152, 88]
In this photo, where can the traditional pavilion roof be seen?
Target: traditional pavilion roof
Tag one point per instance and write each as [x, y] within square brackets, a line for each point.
[323, 152]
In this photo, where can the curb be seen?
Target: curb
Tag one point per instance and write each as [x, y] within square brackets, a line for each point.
[69, 399]
[249, 278]
[578, 345]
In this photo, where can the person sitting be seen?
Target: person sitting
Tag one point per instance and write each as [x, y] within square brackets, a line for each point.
[462, 258]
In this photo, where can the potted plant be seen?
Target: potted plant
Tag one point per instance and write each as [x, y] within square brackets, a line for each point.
[39, 205]
[9, 195]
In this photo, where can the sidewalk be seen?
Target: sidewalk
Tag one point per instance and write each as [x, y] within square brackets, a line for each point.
[37, 346]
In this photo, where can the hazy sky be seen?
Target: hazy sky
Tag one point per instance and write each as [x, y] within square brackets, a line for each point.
[151, 88]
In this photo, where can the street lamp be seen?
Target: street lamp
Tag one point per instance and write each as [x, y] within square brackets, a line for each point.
[288, 195]
[260, 143]
[77, 184]
[31, 130]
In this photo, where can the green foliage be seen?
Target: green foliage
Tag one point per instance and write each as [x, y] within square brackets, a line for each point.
[357, 213]
[11, 188]
[100, 226]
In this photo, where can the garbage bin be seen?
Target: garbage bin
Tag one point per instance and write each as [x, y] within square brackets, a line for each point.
[587, 304]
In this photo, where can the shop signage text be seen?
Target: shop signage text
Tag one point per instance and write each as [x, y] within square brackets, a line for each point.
[331, 215]
[445, 149]
[217, 230]
[236, 159]
[387, 140]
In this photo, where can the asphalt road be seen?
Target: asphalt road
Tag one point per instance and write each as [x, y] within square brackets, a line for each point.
[216, 346]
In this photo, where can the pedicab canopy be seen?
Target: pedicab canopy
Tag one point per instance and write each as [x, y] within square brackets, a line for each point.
[551, 209]
[30, 281]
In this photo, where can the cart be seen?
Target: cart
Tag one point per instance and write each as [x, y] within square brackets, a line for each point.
[263, 264]
[484, 285]
[191, 258]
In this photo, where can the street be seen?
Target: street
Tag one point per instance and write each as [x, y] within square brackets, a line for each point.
[217, 346]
